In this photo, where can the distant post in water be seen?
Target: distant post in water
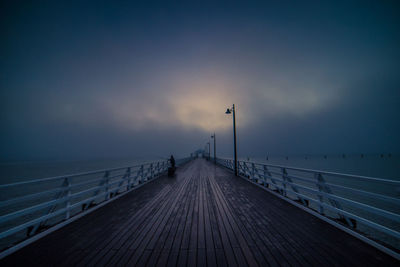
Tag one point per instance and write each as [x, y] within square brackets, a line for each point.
[215, 149]
[229, 111]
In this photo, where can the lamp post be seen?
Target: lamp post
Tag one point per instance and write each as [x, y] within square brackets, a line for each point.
[215, 149]
[229, 111]
[208, 143]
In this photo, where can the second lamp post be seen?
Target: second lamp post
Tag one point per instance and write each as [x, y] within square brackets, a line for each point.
[229, 111]
[215, 149]
[209, 155]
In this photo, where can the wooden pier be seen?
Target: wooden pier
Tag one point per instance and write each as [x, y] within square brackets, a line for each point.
[204, 216]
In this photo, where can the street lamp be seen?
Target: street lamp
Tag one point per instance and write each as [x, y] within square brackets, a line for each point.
[215, 149]
[208, 143]
[229, 111]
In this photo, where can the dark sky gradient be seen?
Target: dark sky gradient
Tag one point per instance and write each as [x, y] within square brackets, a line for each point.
[121, 79]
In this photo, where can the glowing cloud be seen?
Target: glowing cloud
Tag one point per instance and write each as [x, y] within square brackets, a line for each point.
[202, 107]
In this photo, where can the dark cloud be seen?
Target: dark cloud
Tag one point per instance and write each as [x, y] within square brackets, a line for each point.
[82, 80]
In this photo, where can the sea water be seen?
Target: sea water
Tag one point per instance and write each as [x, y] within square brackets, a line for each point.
[386, 166]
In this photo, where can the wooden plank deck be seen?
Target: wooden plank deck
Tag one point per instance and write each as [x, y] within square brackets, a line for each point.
[203, 217]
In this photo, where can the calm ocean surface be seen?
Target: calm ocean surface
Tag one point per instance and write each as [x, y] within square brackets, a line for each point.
[12, 172]
[373, 165]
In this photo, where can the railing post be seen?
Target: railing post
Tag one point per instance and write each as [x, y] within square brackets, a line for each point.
[158, 168]
[128, 172]
[106, 175]
[266, 173]
[294, 188]
[151, 171]
[32, 230]
[320, 189]
[141, 174]
[284, 178]
[274, 182]
[253, 171]
[246, 170]
[68, 203]
[323, 187]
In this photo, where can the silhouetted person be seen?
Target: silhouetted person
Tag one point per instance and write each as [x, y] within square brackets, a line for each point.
[171, 170]
[172, 160]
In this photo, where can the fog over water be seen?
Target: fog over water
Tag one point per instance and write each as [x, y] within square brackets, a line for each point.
[125, 80]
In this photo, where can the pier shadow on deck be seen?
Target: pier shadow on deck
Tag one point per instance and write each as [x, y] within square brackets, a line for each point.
[203, 216]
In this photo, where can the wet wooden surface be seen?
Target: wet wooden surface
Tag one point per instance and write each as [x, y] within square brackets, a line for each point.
[202, 217]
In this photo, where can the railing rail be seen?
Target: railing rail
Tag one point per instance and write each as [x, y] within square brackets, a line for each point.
[30, 206]
[360, 202]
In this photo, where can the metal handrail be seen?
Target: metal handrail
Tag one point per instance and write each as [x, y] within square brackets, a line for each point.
[35, 209]
[60, 177]
[352, 190]
[346, 175]
[350, 208]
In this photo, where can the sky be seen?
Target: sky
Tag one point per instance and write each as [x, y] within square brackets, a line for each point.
[97, 79]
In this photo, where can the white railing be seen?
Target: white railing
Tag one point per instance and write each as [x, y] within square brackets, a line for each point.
[29, 207]
[369, 205]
